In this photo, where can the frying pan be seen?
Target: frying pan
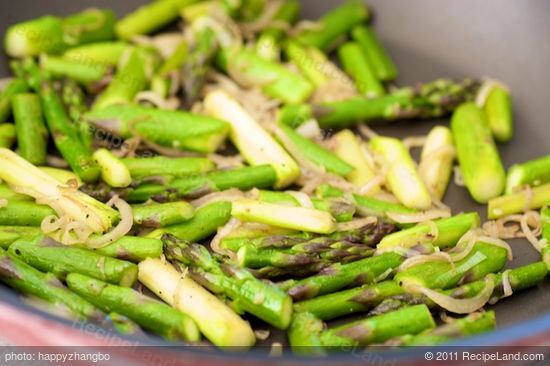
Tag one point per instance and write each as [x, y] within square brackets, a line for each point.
[428, 39]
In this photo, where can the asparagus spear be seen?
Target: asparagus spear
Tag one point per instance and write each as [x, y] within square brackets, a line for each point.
[7, 135]
[339, 276]
[61, 175]
[162, 83]
[477, 153]
[82, 72]
[368, 235]
[14, 87]
[215, 320]
[149, 18]
[78, 206]
[151, 314]
[533, 173]
[498, 108]
[276, 80]
[268, 42]
[470, 325]
[358, 66]
[113, 171]
[75, 103]
[376, 329]
[64, 133]
[176, 129]
[374, 52]
[484, 258]
[197, 63]
[514, 203]
[402, 175]
[161, 165]
[315, 65]
[366, 206]
[262, 299]
[545, 241]
[302, 255]
[298, 218]
[204, 223]
[304, 335]
[436, 160]
[520, 278]
[430, 100]
[261, 176]
[24, 213]
[350, 301]
[8, 194]
[254, 143]
[10, 234]
[367, 297]
[89, 26]
[132, 248]
[49, 34]
[449, 231]
[46, 254]
[335, 24]
[99, 55]
[29, 280]
[161, 215]
[301, 147]
[36, 36]
[134, 71]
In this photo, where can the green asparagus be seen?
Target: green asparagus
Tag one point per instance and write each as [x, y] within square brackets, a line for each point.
[162, 215]
[262, 299]
[8, 135]
[531, 173]
[529, 199]
[177, 129]
[46, 254]
[477, 153]
[151, 314]
[374, 52]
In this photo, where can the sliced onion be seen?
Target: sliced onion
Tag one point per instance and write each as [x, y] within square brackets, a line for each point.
[226, 162]
[411, 218]
[303, 199]
[304, 25]
[50, 224]
[506, 288]
[461, 306]
[265, 19]
[383, 275]
[150, 96]
[262, 334]
[366, 131]
[526, 229]
[222, 233]
[472, 237]
[356, 223]
[375, 182]
[485, 90]
[229, 195]
[420, 259]
[123, 227]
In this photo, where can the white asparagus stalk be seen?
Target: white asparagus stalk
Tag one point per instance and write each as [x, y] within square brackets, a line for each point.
[401, 175]
[436, 160]
[256, 145]
[219, 323]
[297, 218]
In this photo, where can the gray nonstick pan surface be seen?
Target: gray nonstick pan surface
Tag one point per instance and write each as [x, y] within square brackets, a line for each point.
[428, 39]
